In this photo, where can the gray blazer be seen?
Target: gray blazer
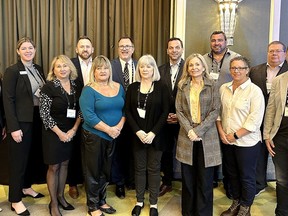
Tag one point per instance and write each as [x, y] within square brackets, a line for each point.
[210, 105]
[276, 106]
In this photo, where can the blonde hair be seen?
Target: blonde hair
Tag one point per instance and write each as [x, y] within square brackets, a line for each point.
[148, 60]
[66, 60]
[100, 61]
[185, 75]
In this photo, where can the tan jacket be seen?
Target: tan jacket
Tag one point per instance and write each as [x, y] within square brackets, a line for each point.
[276, 106]
[209, 105]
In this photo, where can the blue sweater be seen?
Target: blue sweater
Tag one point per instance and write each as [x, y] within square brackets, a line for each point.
[96, 107]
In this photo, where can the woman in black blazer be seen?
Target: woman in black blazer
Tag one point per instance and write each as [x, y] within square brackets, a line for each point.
[21, 85]
[147, 108]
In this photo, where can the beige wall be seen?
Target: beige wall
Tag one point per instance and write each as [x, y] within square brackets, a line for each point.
[252, 28]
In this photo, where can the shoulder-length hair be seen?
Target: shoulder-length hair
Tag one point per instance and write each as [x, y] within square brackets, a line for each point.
[185, 75]
[66, 60]
[148, 60]
[100, 61]
[23, 40]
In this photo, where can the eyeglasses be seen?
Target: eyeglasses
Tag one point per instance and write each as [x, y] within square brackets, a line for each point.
[275, 51]
[238, 68]
[122, 47]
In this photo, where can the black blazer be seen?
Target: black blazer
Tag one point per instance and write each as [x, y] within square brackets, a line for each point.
[166, 78]
[17, 96]
[79, 81]
[258, 76]
[117, 74]
[156, 112]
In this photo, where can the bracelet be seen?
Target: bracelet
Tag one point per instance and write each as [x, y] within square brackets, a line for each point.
[235, 136]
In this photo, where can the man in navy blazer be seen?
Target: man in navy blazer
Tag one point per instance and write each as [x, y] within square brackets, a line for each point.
[83, 63]
[262, 75]
[170, 74]
[123, 163]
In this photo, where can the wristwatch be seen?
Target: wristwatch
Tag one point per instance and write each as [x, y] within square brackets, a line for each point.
[235, 136]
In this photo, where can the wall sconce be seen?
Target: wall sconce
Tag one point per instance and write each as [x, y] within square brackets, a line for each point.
[228, 14]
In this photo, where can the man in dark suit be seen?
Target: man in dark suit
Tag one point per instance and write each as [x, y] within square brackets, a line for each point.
[83, 63]
[170, 74]
[123, 163]
[262, 75]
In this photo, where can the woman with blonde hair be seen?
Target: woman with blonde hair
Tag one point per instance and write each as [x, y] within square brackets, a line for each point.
[198, 148]
[59, 112]
[102, 106]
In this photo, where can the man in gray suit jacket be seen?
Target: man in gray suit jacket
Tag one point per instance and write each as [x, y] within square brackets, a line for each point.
[262, 75]
[276, 136]
[122, 163]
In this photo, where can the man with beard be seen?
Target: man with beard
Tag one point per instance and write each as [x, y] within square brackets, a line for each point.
[170, 74]
[83, 63]
[123, 69]
[218, 61]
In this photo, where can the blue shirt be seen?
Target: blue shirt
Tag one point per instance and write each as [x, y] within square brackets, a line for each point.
[96, 107]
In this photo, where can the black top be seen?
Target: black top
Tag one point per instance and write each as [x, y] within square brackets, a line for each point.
[157, 110]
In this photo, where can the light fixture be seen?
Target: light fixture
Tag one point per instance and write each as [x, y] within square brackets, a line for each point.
[228, 15]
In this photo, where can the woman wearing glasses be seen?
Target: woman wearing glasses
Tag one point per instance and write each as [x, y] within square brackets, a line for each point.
[239, 128]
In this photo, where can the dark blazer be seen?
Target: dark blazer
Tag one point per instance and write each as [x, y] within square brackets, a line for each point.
[166, 78]
[156, 112]
[17, 96]
[258, 76]
[117, 74]
[79, 81]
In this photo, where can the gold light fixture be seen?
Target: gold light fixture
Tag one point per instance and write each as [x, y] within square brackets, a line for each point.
[228, 15]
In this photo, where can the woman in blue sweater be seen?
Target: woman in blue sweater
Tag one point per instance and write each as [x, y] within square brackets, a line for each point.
[101, 103]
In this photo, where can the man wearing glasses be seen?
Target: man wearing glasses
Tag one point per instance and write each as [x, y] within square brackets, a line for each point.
[123, 69]
[262, 75]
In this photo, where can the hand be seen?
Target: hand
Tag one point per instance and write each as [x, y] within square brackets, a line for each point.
[149, 138]
[64, 137]
[193, 136]
[71, 133]
[4, 134]
[17, 136]
[141, 135]
[223, 138]
[270, 145]
[114, 132]
[230, 138]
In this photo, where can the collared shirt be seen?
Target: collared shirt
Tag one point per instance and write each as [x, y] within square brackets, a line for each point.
[271, 74]
[242, 109]
[221, 68]
[85, 69]
[174, 70]
[130, 68]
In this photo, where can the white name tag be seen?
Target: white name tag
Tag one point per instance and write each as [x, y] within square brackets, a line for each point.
[268, 86]
[71, 113]
[23, 72]
[286, 112]
[214, 76]
[141, 112]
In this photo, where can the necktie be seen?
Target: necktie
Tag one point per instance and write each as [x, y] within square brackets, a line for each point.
[126, 76]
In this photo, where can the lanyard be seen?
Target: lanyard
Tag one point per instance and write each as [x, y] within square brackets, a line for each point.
[66, 96]
[35, 77]
[145, 101]
[221, 62]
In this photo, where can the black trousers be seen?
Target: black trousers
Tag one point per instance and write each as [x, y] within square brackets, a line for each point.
[171, 135]
[97, 158]
[261, 169]
[197, 185]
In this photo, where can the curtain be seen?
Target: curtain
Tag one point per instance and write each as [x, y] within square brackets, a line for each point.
[55, 25]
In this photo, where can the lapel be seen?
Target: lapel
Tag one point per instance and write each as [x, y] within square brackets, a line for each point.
[120, 74]
[178, 77]
[284, 68]
[283, 82]
[79, 71]
[25, 78]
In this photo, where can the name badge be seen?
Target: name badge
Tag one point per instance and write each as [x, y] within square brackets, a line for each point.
[268, 86]
[37, 93]
[141, 112]
[71, 113]
[286, 112]
[214, 76]
[23, 72]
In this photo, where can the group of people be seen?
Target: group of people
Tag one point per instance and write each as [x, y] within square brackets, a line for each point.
[130, 116]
